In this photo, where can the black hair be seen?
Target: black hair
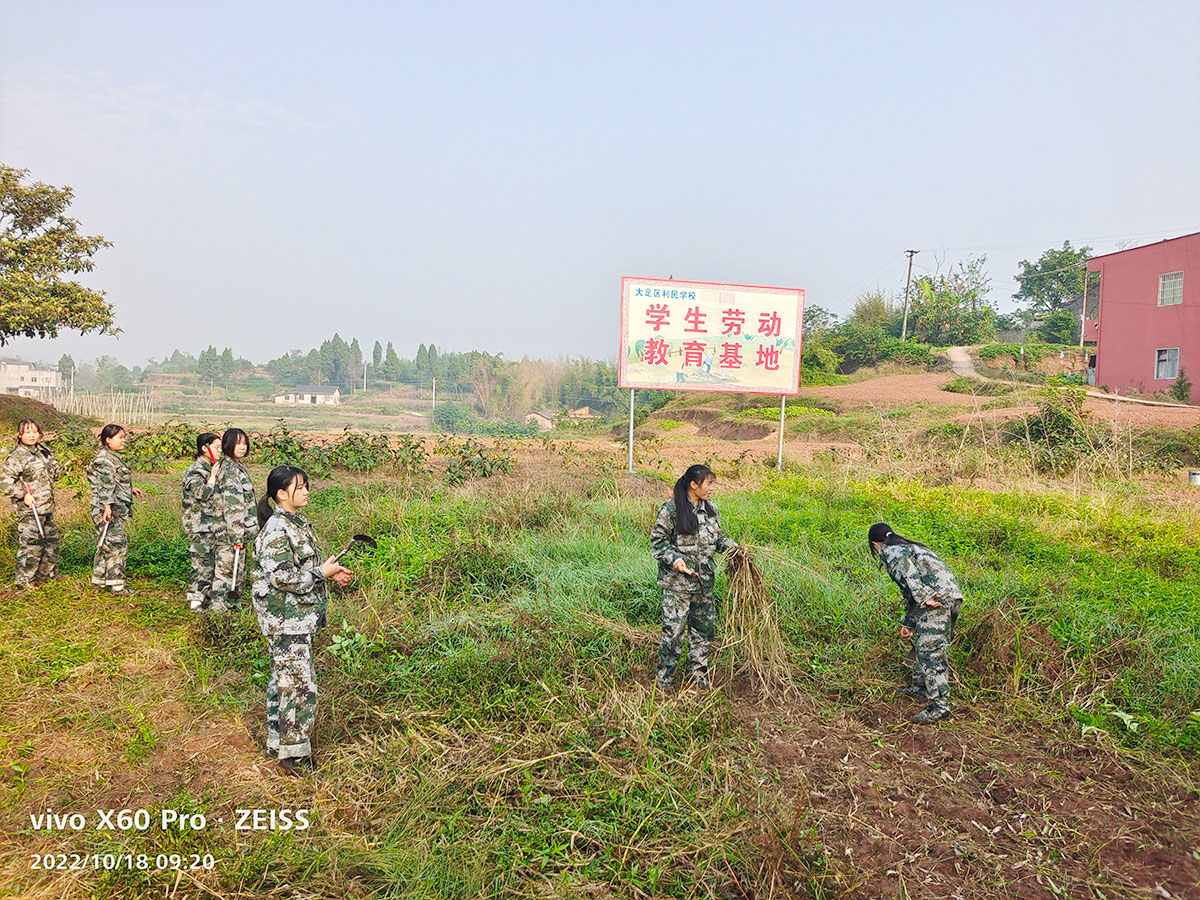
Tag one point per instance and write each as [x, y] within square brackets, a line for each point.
[25, 422]
[685, 517]
[280, 479]
[109, 431]
[230, 440]
[881, 533]
[203, 440]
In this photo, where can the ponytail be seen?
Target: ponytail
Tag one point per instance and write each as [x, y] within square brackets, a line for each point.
[881, 533]
[685, 517]
[203, 440]
[280, 479]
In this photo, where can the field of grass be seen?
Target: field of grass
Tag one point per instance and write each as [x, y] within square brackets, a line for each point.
[489, 727]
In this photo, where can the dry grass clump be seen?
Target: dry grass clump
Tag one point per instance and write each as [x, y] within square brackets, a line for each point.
[750, 627]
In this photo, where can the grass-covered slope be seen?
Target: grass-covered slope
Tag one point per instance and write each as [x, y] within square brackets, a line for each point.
[489, 728]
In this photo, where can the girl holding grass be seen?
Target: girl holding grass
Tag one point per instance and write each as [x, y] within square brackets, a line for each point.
[932, 602]
[113, 494]
[238, 505]
[290, 595]
[686, 534]
[28, 478]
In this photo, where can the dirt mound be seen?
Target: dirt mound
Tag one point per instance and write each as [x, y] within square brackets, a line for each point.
[13, 409]
[728, 430]
[697, 415]
[892, 390]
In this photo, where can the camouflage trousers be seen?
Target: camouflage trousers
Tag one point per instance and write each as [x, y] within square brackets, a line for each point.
[228, 585]
[935, 630]
[202, 559]
[109, 568]
[291, 695]
[693, 614]
[37, 554]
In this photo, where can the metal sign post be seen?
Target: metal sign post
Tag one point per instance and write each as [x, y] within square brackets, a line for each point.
[782, 416]
[631, 431]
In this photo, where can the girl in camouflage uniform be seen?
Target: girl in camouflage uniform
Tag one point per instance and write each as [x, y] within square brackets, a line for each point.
[932, 602]
[686, 534]
[235, 492]
[290, 596]
[28, 478]
[112, 506]
[203, 523]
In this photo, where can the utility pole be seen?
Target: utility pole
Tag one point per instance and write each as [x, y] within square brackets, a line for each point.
[1083, 310]
[907, 284]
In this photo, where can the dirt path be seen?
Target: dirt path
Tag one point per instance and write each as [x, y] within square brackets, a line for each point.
[961, 362]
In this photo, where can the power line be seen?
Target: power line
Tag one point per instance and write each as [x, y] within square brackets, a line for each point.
[1106, 237]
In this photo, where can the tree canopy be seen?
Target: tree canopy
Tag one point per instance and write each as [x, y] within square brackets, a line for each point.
[1054, 281]
[39, 244]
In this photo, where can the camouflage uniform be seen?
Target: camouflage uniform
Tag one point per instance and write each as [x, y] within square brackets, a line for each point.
[921, 575]
[235, 493]
[687, 600]
[203, 523]
[37, 553]
[111, 483]
[290, 598]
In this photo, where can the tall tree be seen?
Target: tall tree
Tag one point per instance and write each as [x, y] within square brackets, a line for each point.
[391, 364]
[433, 361]
[66, 368]
[226, 365]
[354, 367]
[39, 244]
[377, 355]
[208, 365]
[422, 358]
[1054, 281]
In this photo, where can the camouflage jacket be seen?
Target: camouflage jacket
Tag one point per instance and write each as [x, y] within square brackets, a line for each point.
[111, 482]
[33, 466]
[201, 507]
[920, 574]
[290, 594]
[696, 550]
[236, 501]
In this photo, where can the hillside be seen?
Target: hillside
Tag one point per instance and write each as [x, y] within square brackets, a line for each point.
[488, 724]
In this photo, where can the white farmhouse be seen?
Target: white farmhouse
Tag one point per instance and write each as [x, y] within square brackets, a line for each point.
[311, 395]
[28, 381]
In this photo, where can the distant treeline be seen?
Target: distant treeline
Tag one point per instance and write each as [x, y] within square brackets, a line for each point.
[497, 387]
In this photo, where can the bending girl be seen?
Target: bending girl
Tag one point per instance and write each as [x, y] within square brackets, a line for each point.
[932, 602]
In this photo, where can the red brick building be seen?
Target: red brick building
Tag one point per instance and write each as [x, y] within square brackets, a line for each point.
[1148, 328]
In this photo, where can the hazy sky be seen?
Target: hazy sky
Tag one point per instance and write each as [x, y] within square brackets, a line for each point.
[480, 176]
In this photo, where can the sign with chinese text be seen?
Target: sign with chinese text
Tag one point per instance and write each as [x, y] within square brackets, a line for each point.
[698, 336]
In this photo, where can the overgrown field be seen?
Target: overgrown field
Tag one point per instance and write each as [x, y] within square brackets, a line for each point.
[488, 725]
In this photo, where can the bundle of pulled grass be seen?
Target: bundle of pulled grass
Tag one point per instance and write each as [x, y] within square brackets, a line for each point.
[750, 628]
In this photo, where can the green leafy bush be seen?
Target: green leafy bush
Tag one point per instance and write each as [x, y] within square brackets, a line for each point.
[964, 384]
[154, 450]
[1011, 354]
[1181, 388]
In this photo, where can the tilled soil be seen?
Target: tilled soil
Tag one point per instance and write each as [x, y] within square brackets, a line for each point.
[973, 807]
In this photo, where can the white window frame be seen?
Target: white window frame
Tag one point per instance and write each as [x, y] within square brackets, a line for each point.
[1163, 361]
[1172, 298]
